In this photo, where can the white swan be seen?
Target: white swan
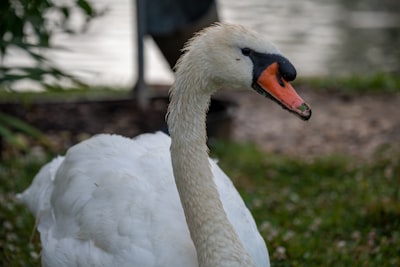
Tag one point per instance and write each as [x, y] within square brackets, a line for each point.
[114, 201]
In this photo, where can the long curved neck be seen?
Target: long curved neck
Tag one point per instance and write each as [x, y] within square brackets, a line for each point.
[215, 239]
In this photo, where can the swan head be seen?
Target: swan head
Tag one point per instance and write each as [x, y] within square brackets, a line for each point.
[232, 56]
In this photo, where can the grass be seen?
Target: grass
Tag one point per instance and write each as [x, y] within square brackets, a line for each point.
[348, 85]
[331, 211]
[355, 84]
[19, 243]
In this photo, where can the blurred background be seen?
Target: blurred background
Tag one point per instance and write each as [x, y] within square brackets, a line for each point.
[321, 37]
[325, 192]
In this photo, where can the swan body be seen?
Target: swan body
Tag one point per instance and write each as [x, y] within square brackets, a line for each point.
[114, 217]
[155, 200]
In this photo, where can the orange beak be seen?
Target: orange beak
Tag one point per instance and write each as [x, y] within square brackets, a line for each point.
[274, 86]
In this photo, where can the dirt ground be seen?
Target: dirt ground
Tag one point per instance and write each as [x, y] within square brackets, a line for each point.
[356, 125]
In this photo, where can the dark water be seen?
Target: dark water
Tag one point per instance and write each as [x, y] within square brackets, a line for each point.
[321, 37]
[325, 37]
[370, 37]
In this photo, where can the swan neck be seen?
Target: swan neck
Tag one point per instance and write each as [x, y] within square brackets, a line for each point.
[216, 241]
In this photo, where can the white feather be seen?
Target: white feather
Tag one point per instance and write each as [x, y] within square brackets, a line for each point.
[104, 212]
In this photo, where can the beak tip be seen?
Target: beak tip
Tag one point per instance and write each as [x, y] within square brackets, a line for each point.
[304, 111]
[308, 116]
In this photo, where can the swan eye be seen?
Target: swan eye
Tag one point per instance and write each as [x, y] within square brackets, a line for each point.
[247, 51]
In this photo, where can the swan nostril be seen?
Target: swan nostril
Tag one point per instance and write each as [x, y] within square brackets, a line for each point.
[279, 78]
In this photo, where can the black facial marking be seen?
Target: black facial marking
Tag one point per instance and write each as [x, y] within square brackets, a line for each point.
[261, 61]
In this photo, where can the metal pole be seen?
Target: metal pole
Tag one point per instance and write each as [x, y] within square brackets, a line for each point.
[140, 88]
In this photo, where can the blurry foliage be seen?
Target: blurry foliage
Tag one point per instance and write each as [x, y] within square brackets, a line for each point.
[28, 26]
[9, 125]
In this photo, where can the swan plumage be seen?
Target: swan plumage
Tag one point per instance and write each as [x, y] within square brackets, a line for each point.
[155, 200]
[112, 217]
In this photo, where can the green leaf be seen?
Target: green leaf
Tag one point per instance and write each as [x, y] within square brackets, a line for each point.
[11, 138]
[13, 122]
[85, 6]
